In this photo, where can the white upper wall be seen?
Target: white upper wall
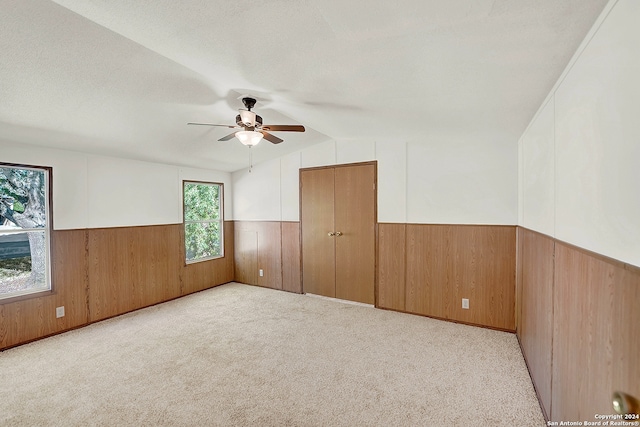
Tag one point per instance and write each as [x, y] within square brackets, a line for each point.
[462, 179]
[537, 191]
[256, 193]
[444, 179]
[289, 186]
[94, 191]
[128, 192]
[580, 156]
[392, 181]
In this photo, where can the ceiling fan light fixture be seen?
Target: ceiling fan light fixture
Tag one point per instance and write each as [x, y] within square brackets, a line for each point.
[249, 137]
[252, 127]
[248, 118]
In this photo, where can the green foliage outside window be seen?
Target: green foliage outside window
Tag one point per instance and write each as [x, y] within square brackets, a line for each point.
[202, 220]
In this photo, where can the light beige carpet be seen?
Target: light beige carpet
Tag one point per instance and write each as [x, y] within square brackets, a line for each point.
[239, 355]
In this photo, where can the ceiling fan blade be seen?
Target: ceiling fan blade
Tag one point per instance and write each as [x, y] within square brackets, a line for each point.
[209, 124]
[283, 128]
[228, 137]
[271, 138]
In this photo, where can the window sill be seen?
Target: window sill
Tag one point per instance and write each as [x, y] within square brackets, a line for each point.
[196, 261]
[35, 294]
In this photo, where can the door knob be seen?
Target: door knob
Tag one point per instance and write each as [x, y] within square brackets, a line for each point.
[338, 233]
[331, 234]
[624, 404]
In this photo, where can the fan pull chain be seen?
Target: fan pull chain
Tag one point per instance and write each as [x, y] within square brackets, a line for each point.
[250, 159]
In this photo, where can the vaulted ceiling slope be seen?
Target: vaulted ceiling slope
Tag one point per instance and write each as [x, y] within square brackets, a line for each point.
[122, 78]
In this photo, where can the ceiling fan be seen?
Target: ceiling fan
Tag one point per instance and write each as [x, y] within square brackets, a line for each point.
[252, 128]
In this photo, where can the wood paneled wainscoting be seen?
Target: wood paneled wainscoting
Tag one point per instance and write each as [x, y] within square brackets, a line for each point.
[578, 326]
[427, 269]
[32, 318]
[270, 246]
[100, 273]
[535, 309]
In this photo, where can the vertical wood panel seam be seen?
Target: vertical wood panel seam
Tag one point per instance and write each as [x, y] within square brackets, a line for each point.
[87, 277]
[376, 280]
[281, 254]
[300, 218]
[553, 329]
[280, 248]
[259, 280]
[405, 266]
[183, 255]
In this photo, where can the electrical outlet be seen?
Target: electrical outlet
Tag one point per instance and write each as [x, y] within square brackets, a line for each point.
[465, 303]
[59, 312]
[261, 273]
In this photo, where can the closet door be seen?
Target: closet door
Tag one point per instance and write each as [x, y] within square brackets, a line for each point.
[355, 233]
[318, 247]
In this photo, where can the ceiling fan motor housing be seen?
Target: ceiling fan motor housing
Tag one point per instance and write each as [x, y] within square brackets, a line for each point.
[257, 124]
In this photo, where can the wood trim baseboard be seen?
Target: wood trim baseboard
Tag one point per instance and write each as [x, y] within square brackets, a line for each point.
[460, 322]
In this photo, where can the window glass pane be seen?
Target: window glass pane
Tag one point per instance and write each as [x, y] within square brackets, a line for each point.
[23, 262]
[201, 202]
[22, 198]
[202, 240]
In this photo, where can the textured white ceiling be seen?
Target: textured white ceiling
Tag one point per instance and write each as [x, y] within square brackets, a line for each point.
[122, 77]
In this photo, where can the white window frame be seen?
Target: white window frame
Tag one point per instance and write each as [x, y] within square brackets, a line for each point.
[220, 220]
[48, 172]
